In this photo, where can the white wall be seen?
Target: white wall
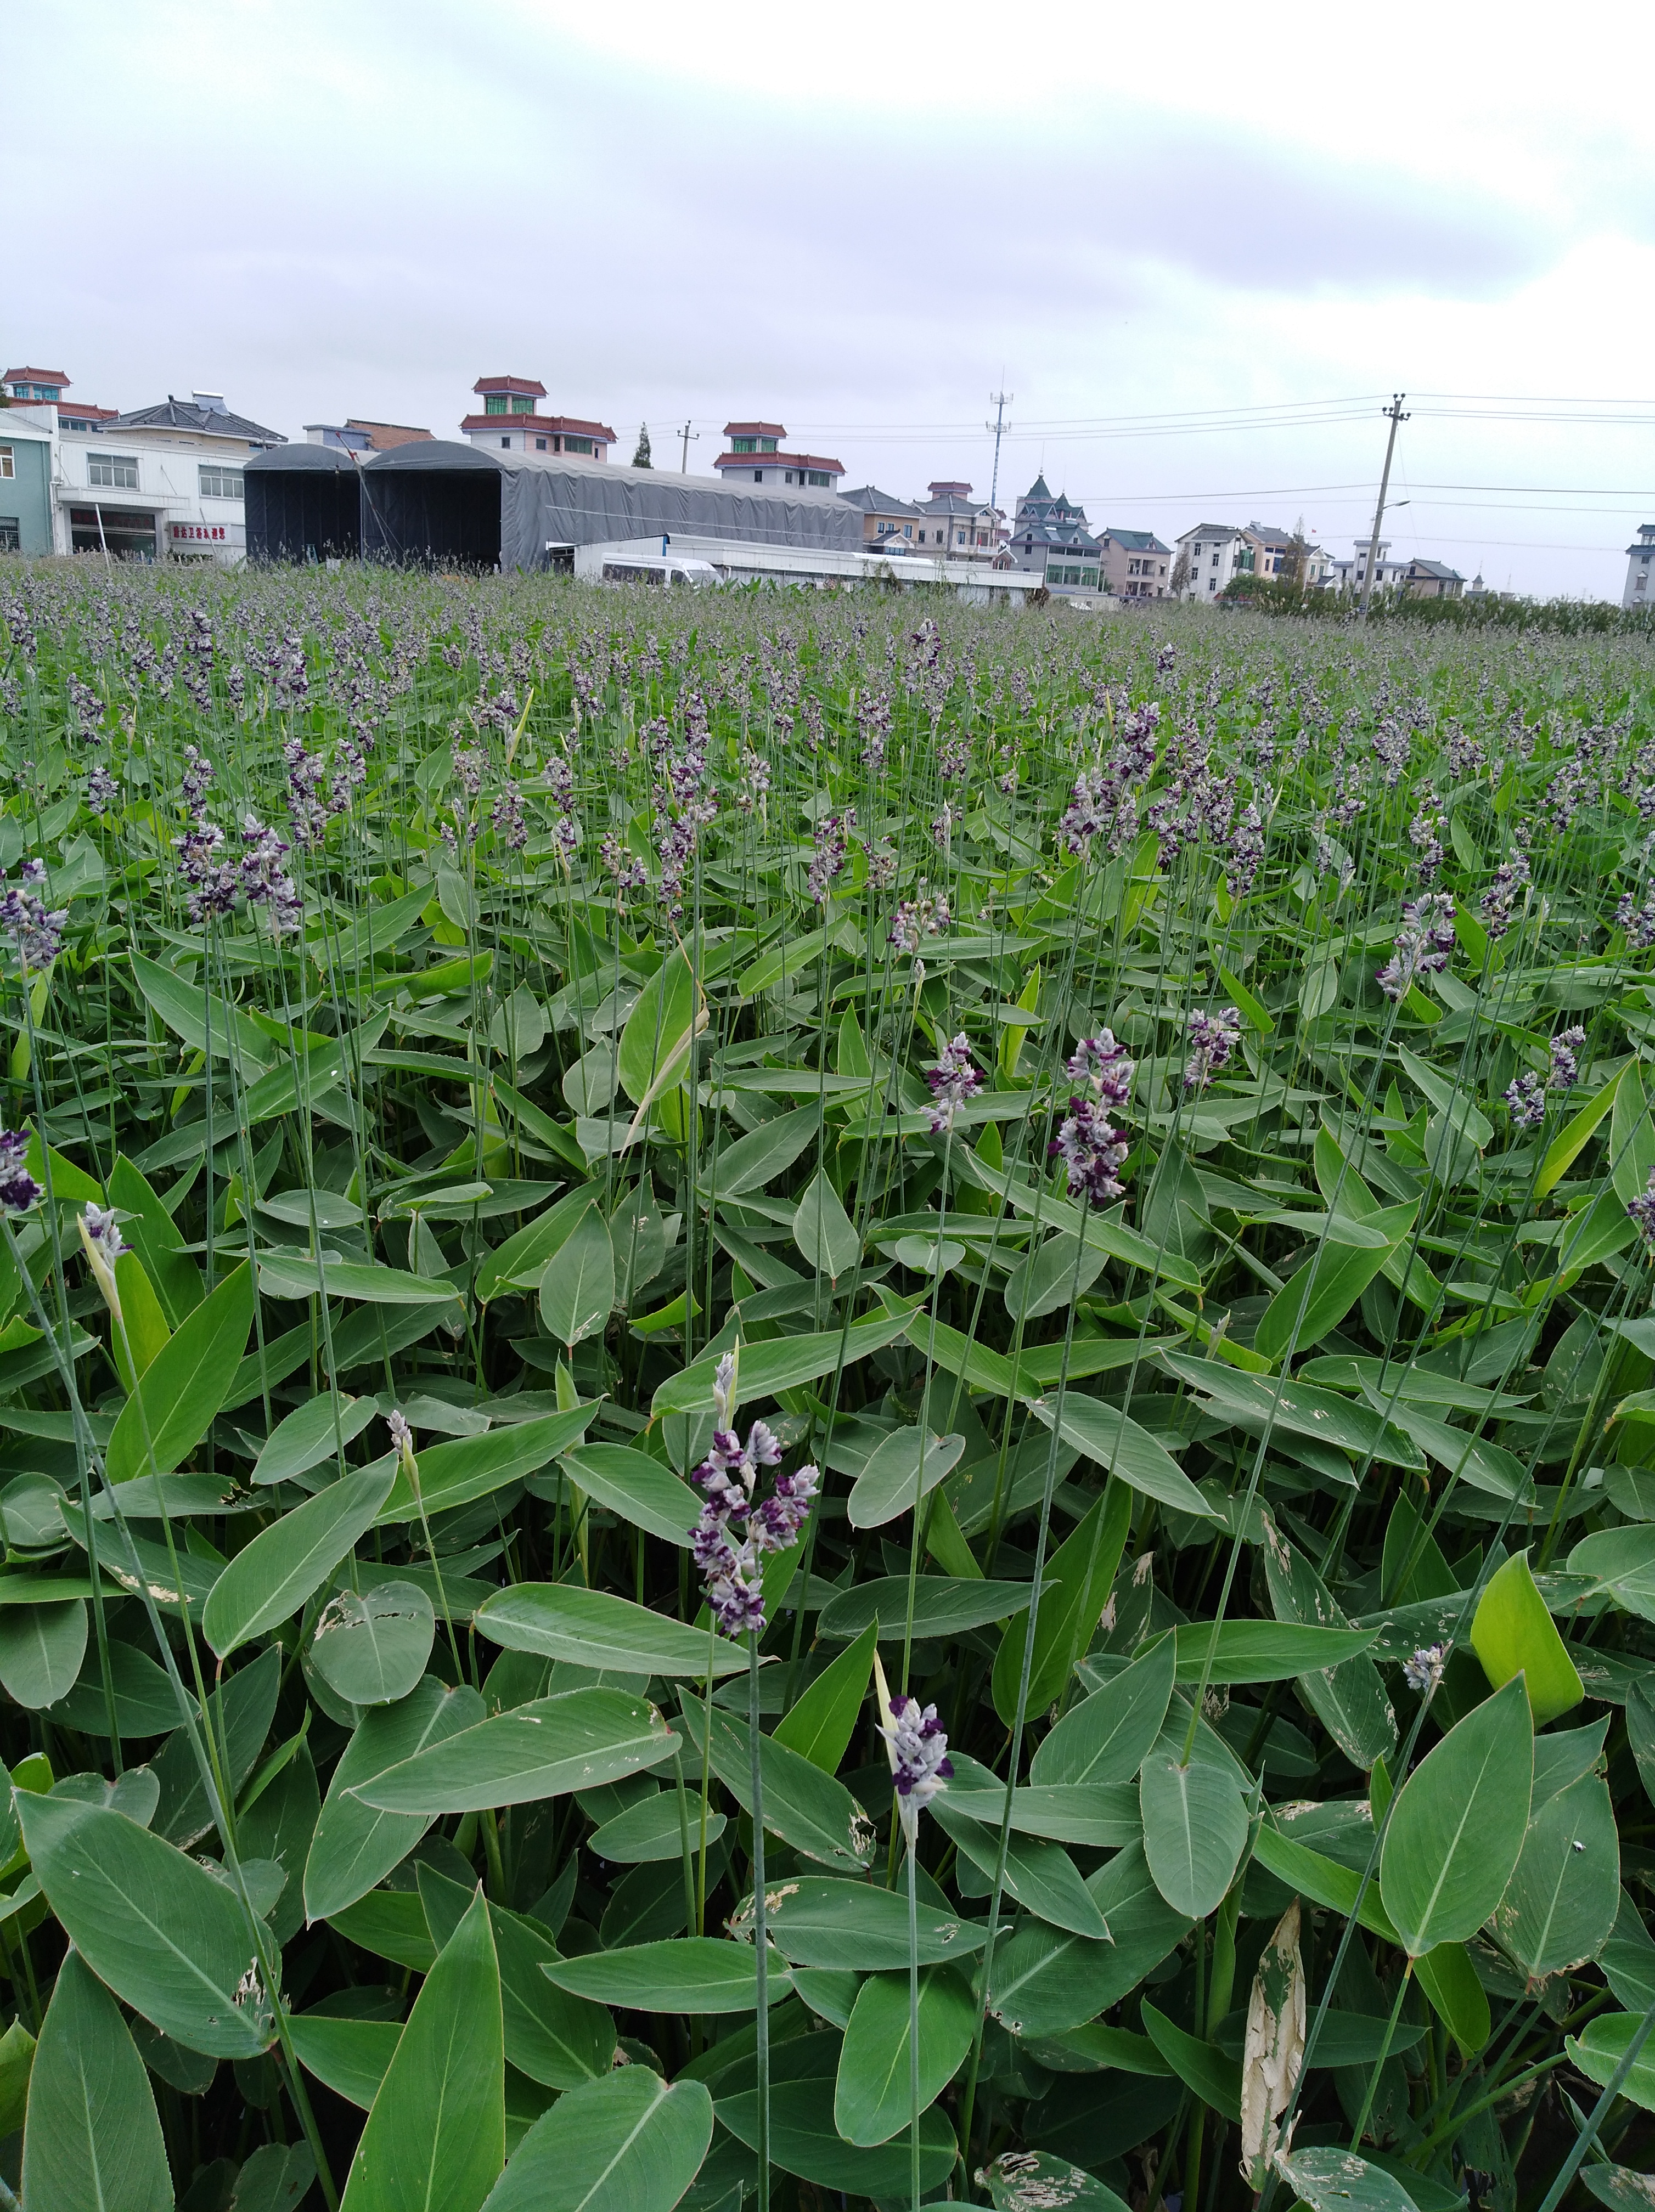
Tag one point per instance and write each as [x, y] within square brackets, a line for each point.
[190, 523]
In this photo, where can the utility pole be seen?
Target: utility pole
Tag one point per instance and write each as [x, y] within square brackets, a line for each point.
[1001, 400]
[1397, 415]
[687, 434]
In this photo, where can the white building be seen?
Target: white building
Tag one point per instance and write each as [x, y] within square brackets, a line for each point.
[754, 453]
[1640, 569]
[1209, 556]
[162, 482]
[1352, 575]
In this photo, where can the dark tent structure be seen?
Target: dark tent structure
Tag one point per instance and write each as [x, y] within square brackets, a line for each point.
[434, 503]
[303, 503]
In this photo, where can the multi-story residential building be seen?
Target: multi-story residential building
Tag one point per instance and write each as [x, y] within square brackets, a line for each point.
[1050, 534]
[952, 519]
[754, 454]
[1208, 556]
[45, 387]
[24, 482]
[1640, 590]
[1432, 579]
[1136, 564]
[355, 435]
[1352, 575]
[887, 521]
[511, 421]
[159, 482]
[1288, 554]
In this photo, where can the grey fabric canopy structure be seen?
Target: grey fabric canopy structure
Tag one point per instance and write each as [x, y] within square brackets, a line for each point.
[437, 503]
[303, 503]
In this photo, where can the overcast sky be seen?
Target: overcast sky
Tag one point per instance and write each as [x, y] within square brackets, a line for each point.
[859, 221]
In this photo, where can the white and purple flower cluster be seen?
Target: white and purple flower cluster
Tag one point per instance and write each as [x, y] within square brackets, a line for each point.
[920, 1765]
[1089, 1145]
[1505, 888]
[734, 1535]
[1642, 1210]
[917, 919]
[18, 1192]
[37, 934]
[1212, 1037]
[952, 1080]
[1422, 943]
[1565, 1050]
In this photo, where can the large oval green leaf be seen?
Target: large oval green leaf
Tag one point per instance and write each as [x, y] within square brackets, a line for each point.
[184, 1385]
[694, 1974]
[271, 1578]
[596, 1628]
[93, 2142]
[1194, 1825]
[437, 2133]
[169, 1938]
[1348, 1698]
[1107, 1736]
[574, 1742]
[371, 1649]
[577, 1286]
[1457, 1828]
[41, 1649]
[1074, 1591]
[872, 2093]
[356, 1845]
[1513, 1633]
[1560, 1905]
[629, 2143]
[639, 1488]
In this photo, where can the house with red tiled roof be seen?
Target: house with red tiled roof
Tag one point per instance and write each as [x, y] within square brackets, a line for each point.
[510, 421]
[754, 454]
[45, 387]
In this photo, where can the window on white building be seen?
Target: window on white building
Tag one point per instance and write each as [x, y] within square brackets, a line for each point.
[8, 462]
[221, 484]
[118, 471]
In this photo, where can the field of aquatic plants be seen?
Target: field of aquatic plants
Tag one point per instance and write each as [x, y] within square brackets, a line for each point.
[818, 1400]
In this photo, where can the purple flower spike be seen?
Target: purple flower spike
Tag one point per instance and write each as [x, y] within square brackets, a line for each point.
[18, 1192]
[920, 1765]
[1090, 1147]
[952, 1080]
[1422, 945]
[1212, 1037]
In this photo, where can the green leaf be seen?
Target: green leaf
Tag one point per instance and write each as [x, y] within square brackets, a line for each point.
[551, 2037]
[1457, 1828]
[692, 1974]
[522, 1261]
[1194, 1822]
[170, 1940]
[903, 1468]
[287, 1563]
[639, 1488]
[577, 1289]
[240, 1710]
[595, 1628]
[1631, 1137]
[630, 2143]
[1330, 2179]
[355, 1846]
[189, 1012]
[1513, 1633]
[1051, 1275]
[1574, 1136]
[872, 2094]
[782, 1364]
[764, 1153]
[436, 2134]
[1559, 1907]
[805, 2141]
[1263, 1651]
[41, 1650]
[313, 1432]
[93, 2141]
[1599, 2052]
[276, 2178]
[469, 1468]
[1040, 1876]
[650, 1830]
[1623, 1560]
[282, 1275]
[1046, 1981]
[1117, 1443]
[1033, 2180]
[1203, 2067]
[943, 1607]
[1349, 1697]
[1318, 1296]
[391, 1924]
[823, 1230]
[1101, 1815]
[656, 1039]
[1074, 1592]
[807, 1809]
[1618, 2186]
[1450, 1981]
[183, 1386]
[1106, 1738]
[821, 1721]
[1297, 1409]
[558, 1744]
[371, 1649]
[17, 2049]
[854, 1927]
